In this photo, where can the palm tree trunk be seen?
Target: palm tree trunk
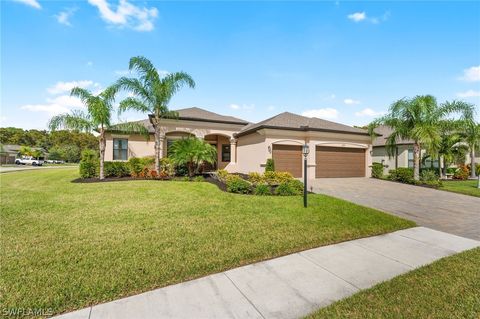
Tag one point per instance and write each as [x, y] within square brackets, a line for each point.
[157, 144]
[440, 162]
[473, 174]
[416, 161]
[102, 143]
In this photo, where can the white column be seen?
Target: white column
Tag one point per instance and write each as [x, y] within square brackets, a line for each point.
[233, 150]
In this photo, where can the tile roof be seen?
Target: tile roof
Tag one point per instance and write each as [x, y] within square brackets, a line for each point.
[385, 132]
[198, 114]
[291, 121]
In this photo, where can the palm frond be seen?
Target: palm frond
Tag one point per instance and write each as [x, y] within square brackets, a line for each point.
[77, 120]
[132, 103]
[131, 128]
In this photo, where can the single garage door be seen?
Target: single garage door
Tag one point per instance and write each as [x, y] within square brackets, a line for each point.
[339, 162]
[288, 158]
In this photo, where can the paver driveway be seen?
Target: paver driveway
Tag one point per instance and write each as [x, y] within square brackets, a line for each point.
[450, 212]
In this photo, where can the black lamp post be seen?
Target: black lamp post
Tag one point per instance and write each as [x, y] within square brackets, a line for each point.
[305, 151]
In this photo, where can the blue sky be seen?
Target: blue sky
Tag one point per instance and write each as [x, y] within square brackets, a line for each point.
[342, 61]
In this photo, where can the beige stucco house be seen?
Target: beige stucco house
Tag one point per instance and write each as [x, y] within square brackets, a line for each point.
[336, 150]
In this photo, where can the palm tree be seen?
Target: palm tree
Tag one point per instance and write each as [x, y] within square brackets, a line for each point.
[97, 117]
[192, 152]
[152, 94]
[450, 148]
[418, 119]
[471, 136]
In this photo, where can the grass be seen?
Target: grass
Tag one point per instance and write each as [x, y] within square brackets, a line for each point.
[66, 245]
[468, 187]
[448, 288]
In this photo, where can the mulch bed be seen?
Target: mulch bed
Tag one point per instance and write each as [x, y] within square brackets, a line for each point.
[115, 179]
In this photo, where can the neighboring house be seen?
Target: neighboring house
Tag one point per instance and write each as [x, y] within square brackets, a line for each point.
[336, 150]
[8, 153]
[402, 155]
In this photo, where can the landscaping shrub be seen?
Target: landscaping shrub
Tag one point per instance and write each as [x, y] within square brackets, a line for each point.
[262, 190]
[477, 168]
[285, 189]
[140, 167]
[296, 185]
[89, 164]
[236, 184]
[377, 170]
[256, 178]
[428, 176]
[181, 170]
[116, 169]
[461, 173]
[222, 175]
[451, 170]
[199, 179]
[276, 178]
[402, 174]
[270, 165]
[153, 174]
[167, 167]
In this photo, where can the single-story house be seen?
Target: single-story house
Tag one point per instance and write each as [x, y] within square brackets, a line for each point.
[9, 152]
[336, 150]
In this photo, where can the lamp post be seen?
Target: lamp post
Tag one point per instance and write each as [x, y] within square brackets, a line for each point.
[305, 151]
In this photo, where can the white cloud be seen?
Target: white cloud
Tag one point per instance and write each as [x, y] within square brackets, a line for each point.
[127, 15]
[89, 63]
[471, 74]
[326, 113]
[357, 16]
[246, 107]
[54, 106]
[469, 93]
[31, 3]
[368, 112]
[62, 87]
[351, 101]
[362, 16]
[63, 17]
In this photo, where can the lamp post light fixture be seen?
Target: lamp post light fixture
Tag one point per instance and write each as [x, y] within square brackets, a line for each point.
[305, 151]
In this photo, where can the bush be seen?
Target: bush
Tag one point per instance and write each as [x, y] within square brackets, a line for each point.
[140, 167]
[167, 167]
[270, 165]
[285, 189]
[461, 173]
[276, 178]
[296, 185]
[116, 169]
[199, 179]
[256, 178]
[377, 170]
[222, 175]
[402, 174]
[428, 176]
[236, 184]
[262, 190]
[477, 168]
[89, 165]
[451, 170]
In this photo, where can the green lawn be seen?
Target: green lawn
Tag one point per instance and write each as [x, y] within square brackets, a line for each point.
[67, 245]
[448, 288]
[468, 187]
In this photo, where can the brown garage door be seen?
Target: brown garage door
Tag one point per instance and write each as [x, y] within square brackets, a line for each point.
[339, 162]
[288, 158]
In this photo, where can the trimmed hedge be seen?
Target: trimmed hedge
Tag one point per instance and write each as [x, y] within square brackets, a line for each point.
[236, 184]
[401, 174]
[377, 170]
[270, 165]
[116, 169]
[89, 164]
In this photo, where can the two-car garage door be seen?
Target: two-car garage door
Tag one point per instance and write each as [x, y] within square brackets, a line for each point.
[339, 162]
[330, 161]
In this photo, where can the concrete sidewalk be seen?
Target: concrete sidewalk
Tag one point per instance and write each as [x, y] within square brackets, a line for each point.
[291, 286]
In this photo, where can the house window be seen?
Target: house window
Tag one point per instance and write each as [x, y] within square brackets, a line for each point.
[120, 149]
[225, 153]
[410, 158]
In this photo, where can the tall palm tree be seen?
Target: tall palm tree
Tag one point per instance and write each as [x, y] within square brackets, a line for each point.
[418, 119]
[98, 116]
[152, 94]
[471, 136]
[192, 152]
[450, 148]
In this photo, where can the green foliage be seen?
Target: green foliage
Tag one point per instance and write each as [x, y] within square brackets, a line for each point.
[296, 185]
[477, 168]
[262, 190]
[428, 175]
[451, 170]
[89, 165]
[402, 174]
[116, 169]
[256, 178]
[199, 178]
[222, 174]
[140, 166]
[192, 152]
[285, 189]
[377, 170]
[275, 178]
[167, 167]
[270, 165]
[461, 173]
[236, 184]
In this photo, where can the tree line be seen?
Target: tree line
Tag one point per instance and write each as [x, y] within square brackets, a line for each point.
[60, 145]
